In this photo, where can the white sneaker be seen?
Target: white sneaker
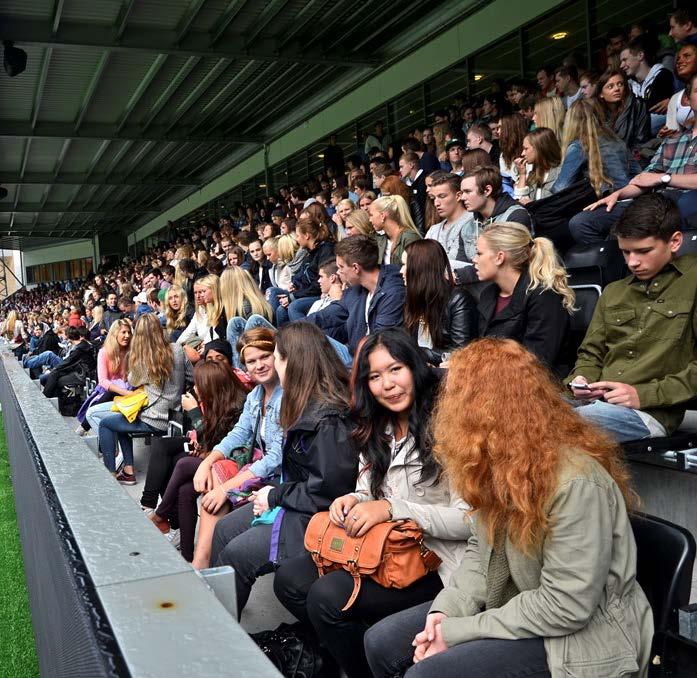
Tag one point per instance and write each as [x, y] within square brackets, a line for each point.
[80, 431]
[174, 538]
[118, 461]
[147, 512]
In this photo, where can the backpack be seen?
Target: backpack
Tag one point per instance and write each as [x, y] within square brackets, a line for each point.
[71, 393]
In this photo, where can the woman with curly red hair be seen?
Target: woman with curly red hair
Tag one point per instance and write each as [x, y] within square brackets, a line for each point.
[547, 586]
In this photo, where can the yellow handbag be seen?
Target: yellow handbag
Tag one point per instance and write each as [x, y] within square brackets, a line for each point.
[130, 405]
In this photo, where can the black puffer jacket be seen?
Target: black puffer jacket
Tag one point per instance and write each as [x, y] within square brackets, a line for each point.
[306, 280]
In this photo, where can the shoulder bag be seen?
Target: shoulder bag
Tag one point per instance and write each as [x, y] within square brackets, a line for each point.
[392, 554]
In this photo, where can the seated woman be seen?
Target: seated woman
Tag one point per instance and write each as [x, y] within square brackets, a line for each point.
[303, 291]
[680, 117]
[161, 369]
[538, 166]
[258, 428]
[359, 222]
[213, 410]
[244, 305]
[390, 216]
[547, 585]
[623, 112]
[178, 315]
[112, 361]
[439, 315]
[530, 300]
[319, 461]
[399, 479]
[97, 326]
[343, 210]
[592, 151]
[280, 273]
[208, 322]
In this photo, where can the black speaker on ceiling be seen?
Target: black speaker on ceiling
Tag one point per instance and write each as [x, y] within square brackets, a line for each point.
[3, 193]
[15, 59]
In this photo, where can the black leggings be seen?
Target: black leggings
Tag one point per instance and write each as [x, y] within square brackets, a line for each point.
[317, 601]
[164, 454]
[179, 503]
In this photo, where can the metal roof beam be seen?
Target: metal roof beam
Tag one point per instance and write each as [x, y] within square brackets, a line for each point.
[91, 89]
[122, 19]
[115, 210]
[60, 130]
[189, 18]
[57, 13]
[39, 93]
[160, 41]
[306, 14]
[231, 11]
[74, 179]
[270, 11]
[143, 85]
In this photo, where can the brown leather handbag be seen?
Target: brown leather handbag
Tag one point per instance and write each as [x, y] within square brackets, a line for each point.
[392, 554]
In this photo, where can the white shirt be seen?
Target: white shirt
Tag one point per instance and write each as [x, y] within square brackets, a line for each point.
[368, 299]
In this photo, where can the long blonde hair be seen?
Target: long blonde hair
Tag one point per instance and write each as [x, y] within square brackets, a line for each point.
[360, 221]
[550, 113]
[115, 355]
[178, 320]
[97, 315]
[236, 286]
[536, 256]
[10, 322]
[396, 208]
[215, 308]
[583, 124]
[151, 360]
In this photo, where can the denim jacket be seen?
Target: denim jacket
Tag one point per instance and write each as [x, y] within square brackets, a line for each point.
[618, 165]
[243, 431]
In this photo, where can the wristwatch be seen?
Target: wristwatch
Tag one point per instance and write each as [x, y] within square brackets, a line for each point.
[665, 179]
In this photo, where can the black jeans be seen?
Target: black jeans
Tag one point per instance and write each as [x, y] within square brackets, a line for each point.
[245, 548]
[317, 601]
[389, 650]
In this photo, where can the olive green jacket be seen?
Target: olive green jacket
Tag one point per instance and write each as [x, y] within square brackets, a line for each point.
[406, 237]
[578, 591]
[645, 334]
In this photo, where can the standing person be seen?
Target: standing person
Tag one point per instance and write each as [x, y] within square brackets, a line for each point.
[522, 602]
[624, 113]
[439, 315]
[214, 408]
[161, 369]
[319, 461]
[112, 367]
[415, 177]
[530, 300]
[390, 214]
[399, 479]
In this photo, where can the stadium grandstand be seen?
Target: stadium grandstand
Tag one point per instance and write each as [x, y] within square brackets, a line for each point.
[347, 339]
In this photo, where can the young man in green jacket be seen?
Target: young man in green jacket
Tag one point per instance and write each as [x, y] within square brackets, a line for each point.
[638, 361]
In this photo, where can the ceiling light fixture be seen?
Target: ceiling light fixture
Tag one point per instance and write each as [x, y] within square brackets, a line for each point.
[15, 59]
[320, 155]
[478, 77]
[559, 36]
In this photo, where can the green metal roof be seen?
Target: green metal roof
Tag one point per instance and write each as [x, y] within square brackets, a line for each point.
[127, 106]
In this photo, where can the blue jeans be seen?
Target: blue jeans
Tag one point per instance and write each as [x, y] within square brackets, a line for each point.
[96, 413]
[46, 358]
[272, 296]
[297, 310]
[116, 428]
[389, 651]
[620, 422]
[237, 327]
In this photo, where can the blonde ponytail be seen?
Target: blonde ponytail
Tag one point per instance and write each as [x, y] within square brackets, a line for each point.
[536, 255]
[397, 209]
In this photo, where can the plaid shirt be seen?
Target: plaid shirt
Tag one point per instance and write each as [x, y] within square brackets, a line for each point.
[677, 155]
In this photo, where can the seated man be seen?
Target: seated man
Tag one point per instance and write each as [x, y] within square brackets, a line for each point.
[49, 351]
[374, 299]
[482, 193]
[638, 361]
[673, 170]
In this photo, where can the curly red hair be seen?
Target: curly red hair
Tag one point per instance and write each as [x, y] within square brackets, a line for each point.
[500, 428]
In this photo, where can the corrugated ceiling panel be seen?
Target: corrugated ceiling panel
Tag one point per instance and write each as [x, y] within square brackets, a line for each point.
[69, 75]
[245, 20]
[11, 151]
[101, 12]
[285, 19]
[21, 8]
[120, 79]
[80, 155]
[159, 13]
[43, 155]
[17, 94]
[211, 11]
[32, 193]
[62, 193]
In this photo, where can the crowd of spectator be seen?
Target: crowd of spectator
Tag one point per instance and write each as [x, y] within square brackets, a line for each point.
[392, 340]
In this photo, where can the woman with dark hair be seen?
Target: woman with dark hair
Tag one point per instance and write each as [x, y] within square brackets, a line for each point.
[303, 290]
[538, 166]
[625, 114]
[399, 479]
[547, 585]
[213, 410]
[514, 127]
[319, 461]
[235, 256]
[439, 315]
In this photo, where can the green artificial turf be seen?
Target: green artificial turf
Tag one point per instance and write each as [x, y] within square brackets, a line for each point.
[17, 649]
